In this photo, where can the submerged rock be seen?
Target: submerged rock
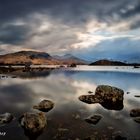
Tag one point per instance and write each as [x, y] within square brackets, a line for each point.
[94, 119]
[33, 123]
[137, 96]
[135, 112]
[137, 119]
[45, 105]
[6, 118]
[89, 99]
[90, 92]
[108, 96]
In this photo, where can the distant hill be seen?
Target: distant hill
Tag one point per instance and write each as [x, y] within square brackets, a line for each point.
[37, 58]
[105, 62]
[67, 58]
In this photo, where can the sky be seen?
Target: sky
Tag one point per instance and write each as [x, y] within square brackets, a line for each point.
[89, 29]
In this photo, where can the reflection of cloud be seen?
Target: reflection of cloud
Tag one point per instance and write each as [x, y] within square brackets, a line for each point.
[19, 95]
[15, 98]
[83, 87]
[65, 89]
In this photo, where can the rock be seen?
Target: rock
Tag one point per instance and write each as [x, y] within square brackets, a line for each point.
[135, 112]
[33, 123]
[108, 93]
[89, 99]
[6, 118]
[94, 119]
[137, 119]
[137, 96]
[109, 97]
[45, 105]
[90, 92]
[63, 129]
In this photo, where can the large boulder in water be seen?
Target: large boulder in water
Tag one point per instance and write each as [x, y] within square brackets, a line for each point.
[108, 96]
[33, 123]
[45, 105]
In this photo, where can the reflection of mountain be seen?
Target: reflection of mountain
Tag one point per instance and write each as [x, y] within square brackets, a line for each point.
[34, 75]
[105, 62]
[22, 57]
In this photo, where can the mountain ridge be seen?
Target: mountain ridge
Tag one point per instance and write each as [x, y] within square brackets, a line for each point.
[34, 57]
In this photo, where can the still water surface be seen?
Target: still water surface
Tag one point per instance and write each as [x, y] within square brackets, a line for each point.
[66, 119]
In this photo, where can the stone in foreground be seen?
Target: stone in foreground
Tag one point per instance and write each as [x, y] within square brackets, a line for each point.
[6, 118]
[109, 97]
[94, 119]
[33, 123]
[135, 112]
[45, 105]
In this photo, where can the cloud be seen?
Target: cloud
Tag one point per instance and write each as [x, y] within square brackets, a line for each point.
[61, 26]
[71, 12]
[12, 34]
[124, 49]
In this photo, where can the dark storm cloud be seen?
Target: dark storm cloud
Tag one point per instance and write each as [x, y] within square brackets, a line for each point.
[12, 34]
[132, 12]
[23, 22]
[76, 11]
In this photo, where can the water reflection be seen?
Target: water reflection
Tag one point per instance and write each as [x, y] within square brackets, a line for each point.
[63, 88]
[32, 74]
[32, 136]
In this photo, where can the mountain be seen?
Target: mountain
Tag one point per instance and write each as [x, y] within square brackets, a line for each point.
[33, 57]
[67, 58]
[105, 62]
